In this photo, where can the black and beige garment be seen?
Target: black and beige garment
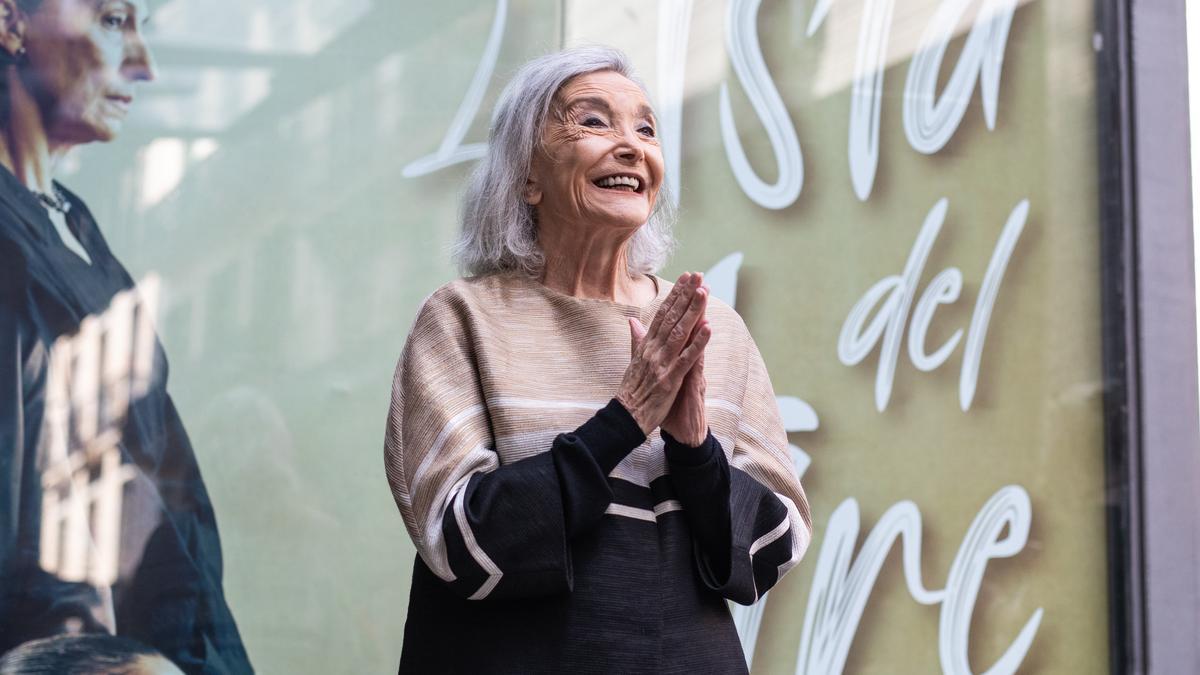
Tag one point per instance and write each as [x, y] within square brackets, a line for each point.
[553, 535]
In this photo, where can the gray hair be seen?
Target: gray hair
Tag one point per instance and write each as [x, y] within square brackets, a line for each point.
[499, 232]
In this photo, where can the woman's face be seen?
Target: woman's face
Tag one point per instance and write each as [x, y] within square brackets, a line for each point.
[84, 58]
[600, 163]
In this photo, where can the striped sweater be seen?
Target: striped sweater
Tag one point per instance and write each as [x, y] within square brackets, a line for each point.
[552, 534]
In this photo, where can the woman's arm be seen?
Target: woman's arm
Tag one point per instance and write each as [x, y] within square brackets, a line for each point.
[749, 515]
[503, 531]
[33, 603]
[486, 532]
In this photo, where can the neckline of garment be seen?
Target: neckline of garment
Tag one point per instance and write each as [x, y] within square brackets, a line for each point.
[661, 287]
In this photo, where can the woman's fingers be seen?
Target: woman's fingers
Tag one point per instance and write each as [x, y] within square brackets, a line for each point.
[656, 372]
[694, 351]
[681, 287]
[694, 377]
[678, 335]
[637, 335]
[675, 313]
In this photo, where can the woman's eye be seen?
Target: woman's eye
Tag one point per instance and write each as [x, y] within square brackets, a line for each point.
[593, 122]
[115, 21]
[647, 131]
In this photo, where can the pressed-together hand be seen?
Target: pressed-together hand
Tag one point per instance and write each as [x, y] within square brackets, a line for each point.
[686, 420]
[665, 353]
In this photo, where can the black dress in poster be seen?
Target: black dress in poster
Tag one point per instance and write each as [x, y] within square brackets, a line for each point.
[105, 523]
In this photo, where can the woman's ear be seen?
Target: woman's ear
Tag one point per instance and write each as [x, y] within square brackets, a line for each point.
[532, 192]
[12, 28]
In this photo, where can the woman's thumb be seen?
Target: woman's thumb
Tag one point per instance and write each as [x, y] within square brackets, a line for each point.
[637, 333]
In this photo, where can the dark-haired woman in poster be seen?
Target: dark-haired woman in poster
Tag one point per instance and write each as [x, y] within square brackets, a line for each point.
[105, 523]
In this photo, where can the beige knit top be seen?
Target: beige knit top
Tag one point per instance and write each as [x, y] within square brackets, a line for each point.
[495, 368]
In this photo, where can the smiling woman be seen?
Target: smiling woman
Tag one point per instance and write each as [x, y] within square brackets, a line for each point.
[583, 491]
[105, 523]
[599, 162]
[499, 232]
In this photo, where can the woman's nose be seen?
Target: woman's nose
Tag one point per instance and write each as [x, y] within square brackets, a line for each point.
[139, 64]
[630, 147]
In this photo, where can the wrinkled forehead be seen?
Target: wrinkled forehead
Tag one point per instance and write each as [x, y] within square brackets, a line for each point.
[603, 85]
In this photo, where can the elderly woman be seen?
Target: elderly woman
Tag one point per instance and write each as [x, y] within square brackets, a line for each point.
[588, 458]
[140, 555]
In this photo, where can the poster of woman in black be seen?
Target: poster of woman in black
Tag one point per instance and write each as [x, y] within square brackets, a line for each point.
[105, 523]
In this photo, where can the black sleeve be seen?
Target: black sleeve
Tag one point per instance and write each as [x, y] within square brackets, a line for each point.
[740, 527]
[508, 532]
[584, 459]
[33, 604]
[176, 599]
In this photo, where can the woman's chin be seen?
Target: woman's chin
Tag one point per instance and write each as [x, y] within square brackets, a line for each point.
[107, 129]
[88, 131]
[622, 219]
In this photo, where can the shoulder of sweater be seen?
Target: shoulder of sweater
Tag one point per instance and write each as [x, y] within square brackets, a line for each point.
[451, 290]
[465, 296]
[722, 316]
[486, 287]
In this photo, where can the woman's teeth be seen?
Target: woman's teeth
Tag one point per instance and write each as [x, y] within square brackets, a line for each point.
[619, 181]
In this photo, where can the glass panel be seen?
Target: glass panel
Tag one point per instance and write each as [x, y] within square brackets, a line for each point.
[899, 198]
[910, 189]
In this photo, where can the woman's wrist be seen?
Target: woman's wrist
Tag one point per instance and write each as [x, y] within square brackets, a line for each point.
[691, 441]
[692, 433]
[635, 411]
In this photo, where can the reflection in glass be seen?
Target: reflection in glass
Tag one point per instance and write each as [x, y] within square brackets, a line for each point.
[105, 523]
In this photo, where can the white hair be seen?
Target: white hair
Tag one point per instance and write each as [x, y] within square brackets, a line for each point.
[499, 231]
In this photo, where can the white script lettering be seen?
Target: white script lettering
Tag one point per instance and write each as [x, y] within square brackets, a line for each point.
[741, 37]
[452, 151]
[840, 588]
[858, 338]
[930, 120]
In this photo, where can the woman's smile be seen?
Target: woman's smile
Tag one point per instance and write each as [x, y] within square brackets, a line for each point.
[600, 165]
[621, 182]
